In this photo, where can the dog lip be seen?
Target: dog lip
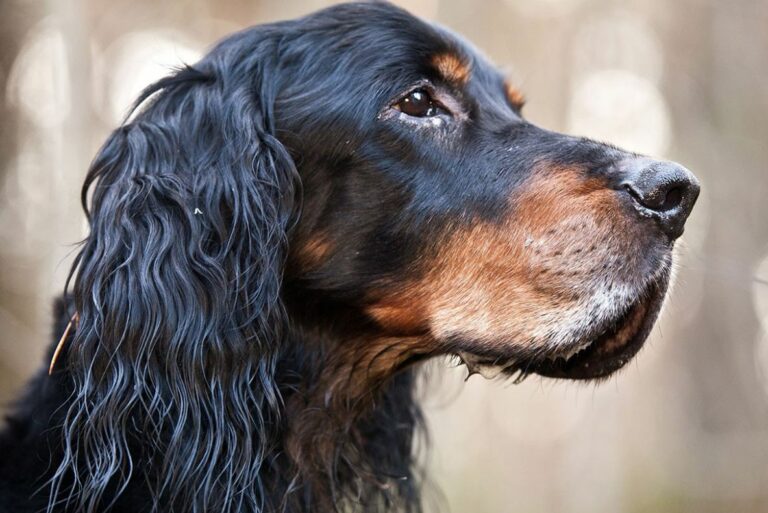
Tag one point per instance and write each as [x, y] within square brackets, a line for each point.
[614, 348]
[592, 359]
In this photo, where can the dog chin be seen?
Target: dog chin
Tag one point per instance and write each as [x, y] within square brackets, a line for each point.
[607, 347]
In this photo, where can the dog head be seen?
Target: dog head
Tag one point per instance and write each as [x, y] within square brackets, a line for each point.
[369, 180]
[437, 210]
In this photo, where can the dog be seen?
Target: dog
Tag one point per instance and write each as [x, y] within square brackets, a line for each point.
[280, 235]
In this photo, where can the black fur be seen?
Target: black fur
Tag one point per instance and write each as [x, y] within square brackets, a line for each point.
[242, 224]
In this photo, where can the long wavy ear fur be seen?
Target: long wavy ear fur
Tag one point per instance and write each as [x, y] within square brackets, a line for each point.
[178, 294]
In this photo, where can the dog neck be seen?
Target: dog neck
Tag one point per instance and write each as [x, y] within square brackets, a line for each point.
[351, 418]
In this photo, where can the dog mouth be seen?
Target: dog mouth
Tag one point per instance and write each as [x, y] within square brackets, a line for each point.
[614, 344]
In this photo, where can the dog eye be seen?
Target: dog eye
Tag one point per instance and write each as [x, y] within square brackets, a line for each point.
[419, 104]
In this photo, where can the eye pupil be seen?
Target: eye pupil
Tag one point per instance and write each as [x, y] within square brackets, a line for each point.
[418, 104]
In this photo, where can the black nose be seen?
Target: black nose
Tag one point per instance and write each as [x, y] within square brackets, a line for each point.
[663, 190]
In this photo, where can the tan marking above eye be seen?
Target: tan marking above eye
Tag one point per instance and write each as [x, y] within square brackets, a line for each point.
[314, 252]
[514, 96]
[452, 67]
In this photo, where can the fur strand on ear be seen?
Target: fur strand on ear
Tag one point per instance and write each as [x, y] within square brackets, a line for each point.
[177, 289]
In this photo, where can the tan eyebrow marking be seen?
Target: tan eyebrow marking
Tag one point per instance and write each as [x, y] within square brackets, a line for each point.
[315, 251]
[452, 67]
[514, 95]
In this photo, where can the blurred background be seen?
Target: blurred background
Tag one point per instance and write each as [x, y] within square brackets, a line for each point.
[683, 429]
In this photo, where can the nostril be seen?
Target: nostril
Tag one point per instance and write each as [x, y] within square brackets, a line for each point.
[661, 198]
[673, 199]
[663, 190]
[660, 187]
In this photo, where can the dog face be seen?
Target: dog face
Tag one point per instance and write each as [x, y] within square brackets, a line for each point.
[436, 210]
[313, 206]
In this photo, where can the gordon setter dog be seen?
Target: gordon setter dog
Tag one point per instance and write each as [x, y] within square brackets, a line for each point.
[283, 232]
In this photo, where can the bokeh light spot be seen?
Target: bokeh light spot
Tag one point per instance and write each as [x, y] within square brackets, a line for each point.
[39, 82]
[141, 58]
[760, 291]
[544, 8]
[620, 40]
[621, 107]
[424, 8]
[761, 358]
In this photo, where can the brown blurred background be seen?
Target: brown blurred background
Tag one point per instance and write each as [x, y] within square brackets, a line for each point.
[683, 429]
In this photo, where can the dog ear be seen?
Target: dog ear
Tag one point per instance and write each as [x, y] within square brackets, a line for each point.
[177, 291]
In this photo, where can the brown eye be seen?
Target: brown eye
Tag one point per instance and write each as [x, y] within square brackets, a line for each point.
[419, 104]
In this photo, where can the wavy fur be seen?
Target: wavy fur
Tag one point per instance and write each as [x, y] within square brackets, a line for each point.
[178, 291]
[277, 239]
